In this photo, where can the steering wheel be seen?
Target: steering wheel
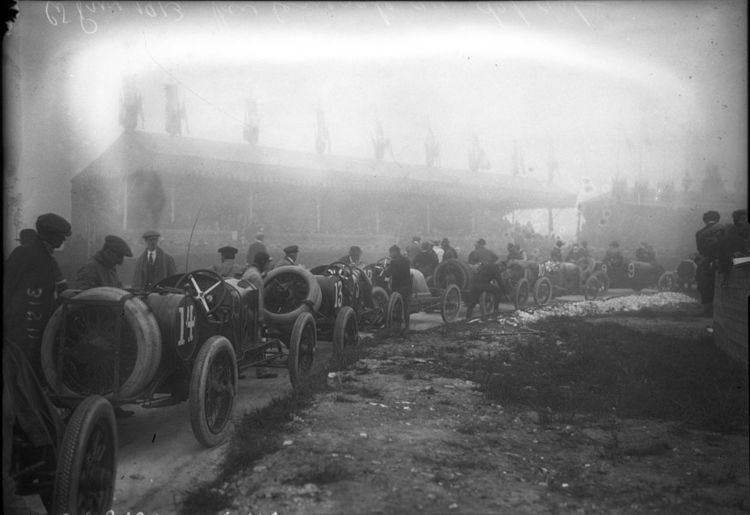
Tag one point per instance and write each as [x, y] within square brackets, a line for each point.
[191, 281]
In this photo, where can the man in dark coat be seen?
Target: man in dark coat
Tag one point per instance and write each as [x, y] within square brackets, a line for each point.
[515, 253]
[448, 251]
[290, 256]
[486, 279]
[254, 248]
[426, 260]
[228, 267]
[481, 254]
[153, 265]
[613, 256]
[413, 248]
[353, 258]
[101, 269]
[735, 242]
[399, 270]
[556, 252]
[707, 241]
[29, 286]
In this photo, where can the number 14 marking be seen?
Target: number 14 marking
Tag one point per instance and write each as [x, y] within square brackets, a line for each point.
[189, 324]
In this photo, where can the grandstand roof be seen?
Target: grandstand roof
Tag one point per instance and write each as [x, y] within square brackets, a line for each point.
[240, 161]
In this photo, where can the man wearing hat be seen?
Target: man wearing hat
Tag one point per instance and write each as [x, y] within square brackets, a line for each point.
[448, 251]
[100, 270]
[556, 252]
[707, 241]
[227, 267]
[290, 256]
[254, 248]
[399, 270]
[481, 254]
[414, 248]
[353, 258]
[30, 277]
[153, 264]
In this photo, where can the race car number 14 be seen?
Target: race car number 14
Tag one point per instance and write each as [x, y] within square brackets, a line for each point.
[187, 322]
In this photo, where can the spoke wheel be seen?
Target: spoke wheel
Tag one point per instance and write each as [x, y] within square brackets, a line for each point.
[666, 282]
[543, 291]
[450, 303]
[521, 293]
[603, 279]
[213, 389]
[591, 288]
[345, 334]
[206, 287]
[380, 301]
[302, 343]
[486, 303]
[87, 462]
[396, 314]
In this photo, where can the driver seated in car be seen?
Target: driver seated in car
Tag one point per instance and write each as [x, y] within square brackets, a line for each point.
[228, 267]
[353, 258]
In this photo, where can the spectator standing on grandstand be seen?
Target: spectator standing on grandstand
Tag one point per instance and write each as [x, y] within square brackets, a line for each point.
[556, 253]
[29, 286]
[353, 258]
[228, 267]
[255, 247]
[101, 269]
[735, 242]
[290, 256]
[448, 251]
[399, 270]
[481, 254]
[414, 248]
[426, 260]
[707, 241]
[153, 264]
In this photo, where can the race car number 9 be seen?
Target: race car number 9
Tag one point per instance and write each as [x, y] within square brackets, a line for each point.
[339, 297]
[368, 273]
[187, 322]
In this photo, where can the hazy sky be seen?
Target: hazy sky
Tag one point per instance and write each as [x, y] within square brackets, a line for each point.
[646, 88]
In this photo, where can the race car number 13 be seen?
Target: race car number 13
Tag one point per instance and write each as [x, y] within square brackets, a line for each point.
[186, 324]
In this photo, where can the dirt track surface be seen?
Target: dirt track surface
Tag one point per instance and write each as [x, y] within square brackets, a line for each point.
[394, 434]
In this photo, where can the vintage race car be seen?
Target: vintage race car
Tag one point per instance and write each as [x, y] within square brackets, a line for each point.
[66, 454]
[682, 279]
[564, 278]
[184, 340]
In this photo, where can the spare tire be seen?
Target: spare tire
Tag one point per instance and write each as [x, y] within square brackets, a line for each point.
[287, 292]
[453, 271]
[89, 342]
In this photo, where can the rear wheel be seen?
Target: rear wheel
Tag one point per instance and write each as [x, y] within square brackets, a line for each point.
[213, 389]
[396, 314]
[302, 344]
[345, 334]
[591, 288]
[380, 301]
[521, 293]
[450, 303]
[603, 279]
[486, 303]
[543, 291]
[87, 462]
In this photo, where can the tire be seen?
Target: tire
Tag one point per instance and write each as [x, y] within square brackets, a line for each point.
[87, 461]
[543, 291]
[287, 292]
[521, 293]
[213, 389]
[88, 354]
[380, 301]
[486, 303]
[450, 303]
[302, 343]
[396, 314]
[345, 334]
[452, 271]
[667, 282]
[591, 288]
[603, 279]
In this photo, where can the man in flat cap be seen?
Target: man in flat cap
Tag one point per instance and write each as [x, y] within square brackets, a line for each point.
[29, 289]
[254, 248]
[101, 269]
[227, 267]
[353, 258]
[153, 264]
[290, 256]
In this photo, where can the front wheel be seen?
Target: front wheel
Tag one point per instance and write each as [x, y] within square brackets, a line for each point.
[380, 301]
[213, 389]
[396, 316]
[87, 462]
[486, 303]
[302, 344]
[591, 288]
[603, 279]
[521, 293]
[666, 282]
[450, 303]
[345, 334]
[543, 291]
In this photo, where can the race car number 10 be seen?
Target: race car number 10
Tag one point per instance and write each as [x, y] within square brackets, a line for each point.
[187, 322]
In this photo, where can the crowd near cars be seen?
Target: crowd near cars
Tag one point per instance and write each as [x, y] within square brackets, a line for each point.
[78, 355]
